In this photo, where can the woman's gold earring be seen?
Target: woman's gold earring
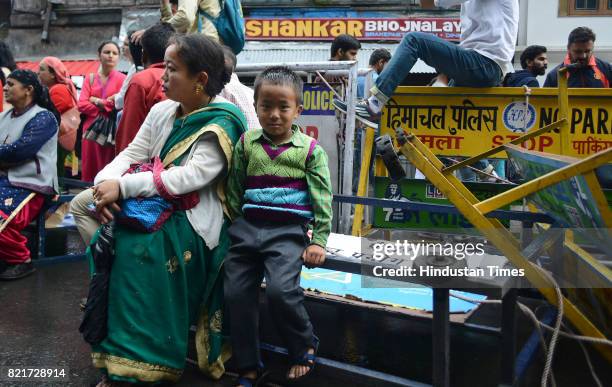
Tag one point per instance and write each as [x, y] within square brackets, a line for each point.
[198, 89]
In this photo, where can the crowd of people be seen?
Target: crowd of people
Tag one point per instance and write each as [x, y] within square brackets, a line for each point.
[161, 192]
[202, 186]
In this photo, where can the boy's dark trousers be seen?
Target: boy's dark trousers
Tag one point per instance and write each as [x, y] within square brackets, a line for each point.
[275, 251]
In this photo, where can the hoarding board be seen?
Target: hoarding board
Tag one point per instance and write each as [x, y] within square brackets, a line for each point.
[466, 122]
[291, 29]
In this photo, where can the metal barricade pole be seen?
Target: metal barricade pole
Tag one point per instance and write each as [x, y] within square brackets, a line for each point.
[349, 148]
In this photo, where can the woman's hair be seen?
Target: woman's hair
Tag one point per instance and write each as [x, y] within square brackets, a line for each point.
[41, 93]
[280, 76]
[6, 59]
[101, 46]
[200, 53]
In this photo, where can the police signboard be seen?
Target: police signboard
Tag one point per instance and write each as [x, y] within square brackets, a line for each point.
[292, 29]
[466, 122]
[318, 120]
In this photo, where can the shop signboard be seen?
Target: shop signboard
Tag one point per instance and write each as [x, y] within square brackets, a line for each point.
[364, 29]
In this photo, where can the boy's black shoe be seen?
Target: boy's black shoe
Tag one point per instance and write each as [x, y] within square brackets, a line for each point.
[20, 270]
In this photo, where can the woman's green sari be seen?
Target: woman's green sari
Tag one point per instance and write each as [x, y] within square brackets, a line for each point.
[163, 282]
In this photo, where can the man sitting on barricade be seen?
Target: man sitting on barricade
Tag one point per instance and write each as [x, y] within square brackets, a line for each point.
[489, 32]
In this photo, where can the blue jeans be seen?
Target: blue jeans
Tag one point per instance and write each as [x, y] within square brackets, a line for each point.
[467, 174]
[464, 67]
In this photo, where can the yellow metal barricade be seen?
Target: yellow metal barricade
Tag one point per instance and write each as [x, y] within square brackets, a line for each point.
[417, 147]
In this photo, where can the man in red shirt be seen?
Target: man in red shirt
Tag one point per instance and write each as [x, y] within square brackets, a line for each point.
[145, 88]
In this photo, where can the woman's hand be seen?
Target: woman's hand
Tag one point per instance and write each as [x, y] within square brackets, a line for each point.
[106, 195]
[111, 98]
[97, 101]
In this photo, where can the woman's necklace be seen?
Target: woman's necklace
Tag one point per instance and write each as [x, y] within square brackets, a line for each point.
[184, 118]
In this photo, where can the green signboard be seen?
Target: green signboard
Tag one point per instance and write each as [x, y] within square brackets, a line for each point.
[422, 191]
[417, 190]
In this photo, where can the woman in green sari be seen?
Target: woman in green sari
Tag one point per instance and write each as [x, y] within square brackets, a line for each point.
[164, 281]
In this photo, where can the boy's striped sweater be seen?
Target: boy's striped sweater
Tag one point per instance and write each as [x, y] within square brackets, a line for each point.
[285, 183]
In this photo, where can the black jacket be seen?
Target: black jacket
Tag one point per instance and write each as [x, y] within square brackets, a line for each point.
[583, 76]
[521, 78]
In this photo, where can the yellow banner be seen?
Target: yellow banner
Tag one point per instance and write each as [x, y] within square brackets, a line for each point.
[468, 121]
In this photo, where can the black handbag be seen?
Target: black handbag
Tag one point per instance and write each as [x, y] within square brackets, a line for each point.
[94, 326]
[103, 129]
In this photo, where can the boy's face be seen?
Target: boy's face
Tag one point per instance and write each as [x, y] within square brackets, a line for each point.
[277, 108]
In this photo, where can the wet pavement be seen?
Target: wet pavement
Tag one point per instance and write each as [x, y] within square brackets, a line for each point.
[39, 327]
[39, 323]
[40, 319]
[40, 315]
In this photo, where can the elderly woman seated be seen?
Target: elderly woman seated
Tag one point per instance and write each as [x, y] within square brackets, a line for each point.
[28, 153]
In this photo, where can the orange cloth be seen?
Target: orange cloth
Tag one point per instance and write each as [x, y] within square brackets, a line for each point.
[61, 98]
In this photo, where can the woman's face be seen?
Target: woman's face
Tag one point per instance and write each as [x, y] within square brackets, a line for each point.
[109, 55]
[179, 84]
[16, 93]
[45, 75]
[126, 49]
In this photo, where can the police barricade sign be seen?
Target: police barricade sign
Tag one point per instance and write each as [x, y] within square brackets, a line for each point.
[318, 120]
[467, 122]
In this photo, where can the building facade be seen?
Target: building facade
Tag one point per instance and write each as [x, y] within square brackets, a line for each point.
[291, 30]
[74, 28]
[549, 22]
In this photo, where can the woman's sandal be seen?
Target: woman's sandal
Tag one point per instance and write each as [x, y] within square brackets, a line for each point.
[308, 360]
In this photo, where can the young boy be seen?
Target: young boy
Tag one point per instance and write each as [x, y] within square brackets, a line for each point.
[279, 182]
